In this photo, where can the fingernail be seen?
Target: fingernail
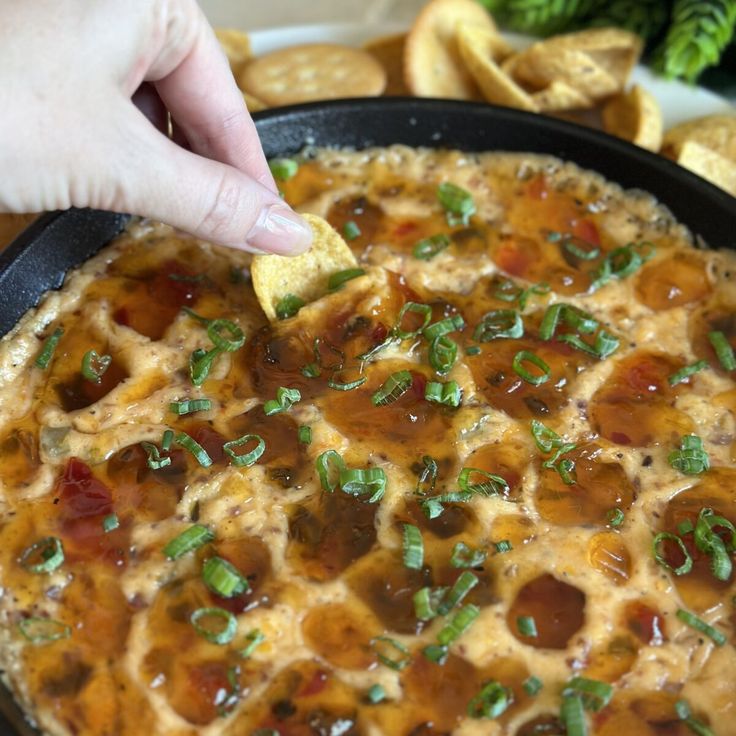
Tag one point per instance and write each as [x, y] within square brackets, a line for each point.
[280, 230]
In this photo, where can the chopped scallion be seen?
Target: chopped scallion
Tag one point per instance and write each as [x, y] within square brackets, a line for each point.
[491, 702]
[339, 279]
[723, 349]
[464, 583]
[392, 389]
[285, 399]
[375, 694]
[457, 202]
[458, 624]
[40, 630]
[94, 366]
[190, 406]
[329, 465]
[350, 230]
[464, 556]
[194, 537]
[217, 625]
[689, 370]
[526, 356]
[423, 310]
[427, 477]
[223, 578]
[448, 394]
[362, 481]
[154, 459]
[691, 458]
[491, 485]
[497, 324]
[254, 638]
[427, 249]
[43, 556]
[444, 327]
[390, 652]
[304, 435]
[661, 559]
[716, 636]
[413, 547]
[283, 169]
[197, 451]
[288, 306]
[527, 626]
[235, 341]
[532, 685]
[49, 346]
[249, 458]
[110, 523]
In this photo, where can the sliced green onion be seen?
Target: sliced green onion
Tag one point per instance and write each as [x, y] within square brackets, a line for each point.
[43, 556]
[424, 310]
[499, 323]
[442, 354]
[200, 364]
[49, 346]
[346, 385]
[718, 637]
[615, 517]
[527, 626]
[447, 394]
[427, 249]
[491, 702]
[350, 230]
[622, 262]
[198, 317]
[594, 694]
[545, 438]
[464, 556]
[682, 708]
[432, 507]
[457, 202]
[317, 349]
[249, 458]
[691, 458]
[110, 523]
[510, 292]
[413, 547]
[370, 354]
[605, 344]
[428, 476]
[427, 601]
[361, 481]
[584, 255]
[472, 350]
[436, 653]
[339, 279]
[190, 406]
[458, 624]
[285, 399]
[465, 582]
[580, 321]
[660, 558]
[255, 637]
[492, 485]
[525, 356]
[708, 541]
[199, 453]
[566, 469]
[503, 546]
[221, 633]
[194, 537]
[154, 459]
[392, 389]
[723, 349]
[94, 366]
[283, 169]
[685, 527]
[572, 716]
[225, 344]
[311, 370]
[288, 306]
[40, 630]
[329, 466]
[689, 370]
[532, 685]
[444, 327]
[385, 649]
[304, 435]
[375, 694]
[223, 579]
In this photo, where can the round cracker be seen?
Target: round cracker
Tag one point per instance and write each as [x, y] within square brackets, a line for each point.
[305, 275]
[389, 52]
[634, 116]
[319, 71]
[716, 132]
[476, 49]
[542, 64]
[432, 63]
[236, 45]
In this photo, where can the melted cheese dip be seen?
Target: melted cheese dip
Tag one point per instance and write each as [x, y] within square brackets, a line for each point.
[102, 641]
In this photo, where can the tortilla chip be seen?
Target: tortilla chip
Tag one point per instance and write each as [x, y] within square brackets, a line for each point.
[541, 65]
[561, 96]
[709, 164]
[477, 47]
[716, 132]
[389, 52]
[432, 63]
[634, 116]
[253, 103]
[305, 275]
[236, 46]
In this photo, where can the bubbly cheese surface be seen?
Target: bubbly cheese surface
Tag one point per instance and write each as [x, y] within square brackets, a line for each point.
[537, 500]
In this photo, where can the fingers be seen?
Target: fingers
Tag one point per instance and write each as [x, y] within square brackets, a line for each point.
[207, 105]
[214, 201]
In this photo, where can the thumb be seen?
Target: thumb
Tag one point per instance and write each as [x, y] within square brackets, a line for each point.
[208, 199]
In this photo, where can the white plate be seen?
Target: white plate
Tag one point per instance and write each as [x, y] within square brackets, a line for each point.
[679, 101]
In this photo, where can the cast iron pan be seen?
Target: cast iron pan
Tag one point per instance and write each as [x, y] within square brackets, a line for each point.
[39, 258]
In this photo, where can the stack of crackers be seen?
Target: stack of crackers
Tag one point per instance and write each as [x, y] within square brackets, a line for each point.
[455, 51]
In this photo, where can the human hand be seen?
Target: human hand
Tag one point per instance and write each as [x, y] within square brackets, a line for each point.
[71, 136]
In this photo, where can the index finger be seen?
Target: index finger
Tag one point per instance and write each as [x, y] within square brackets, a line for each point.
[207, 105]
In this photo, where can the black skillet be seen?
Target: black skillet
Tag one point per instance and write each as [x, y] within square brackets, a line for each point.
[39, 258]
